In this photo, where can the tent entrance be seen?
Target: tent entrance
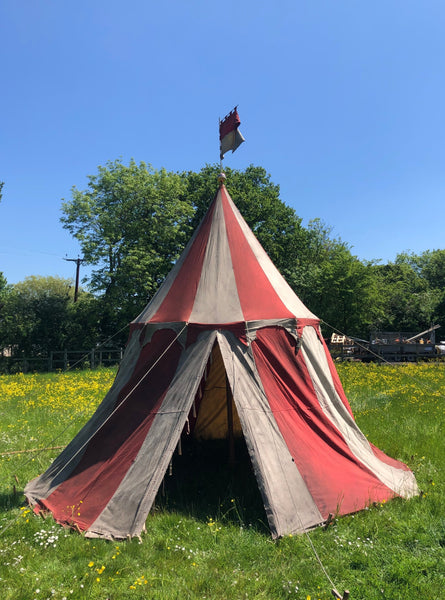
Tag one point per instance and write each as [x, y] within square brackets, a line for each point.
[204, 477]
[203, 483]
[214, 415]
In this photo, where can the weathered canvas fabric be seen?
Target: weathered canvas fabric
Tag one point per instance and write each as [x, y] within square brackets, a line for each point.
[223, 317]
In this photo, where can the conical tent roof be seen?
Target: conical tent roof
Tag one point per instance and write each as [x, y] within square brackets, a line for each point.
[224, 276]
[224, 314]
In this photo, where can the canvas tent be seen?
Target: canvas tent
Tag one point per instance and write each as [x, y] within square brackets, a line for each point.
[225, 335]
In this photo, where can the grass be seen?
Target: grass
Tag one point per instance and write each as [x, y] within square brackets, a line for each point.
[207, 536]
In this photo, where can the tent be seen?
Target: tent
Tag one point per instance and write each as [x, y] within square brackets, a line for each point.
[224, 348]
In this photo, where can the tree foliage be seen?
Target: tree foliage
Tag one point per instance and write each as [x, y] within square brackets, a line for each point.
[414, 288]
[39, 315]
[4, 290]
[132, 223]
[339, 288]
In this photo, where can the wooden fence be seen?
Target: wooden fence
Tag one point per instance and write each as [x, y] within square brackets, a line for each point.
[62, 360]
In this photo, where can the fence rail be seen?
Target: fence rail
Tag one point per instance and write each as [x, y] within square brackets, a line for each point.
[61, 360]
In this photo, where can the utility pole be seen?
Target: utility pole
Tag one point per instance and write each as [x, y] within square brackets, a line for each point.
[78, 262]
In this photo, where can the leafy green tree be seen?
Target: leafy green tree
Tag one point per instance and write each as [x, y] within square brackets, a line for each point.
[83, 327]
[33, 313]
[132, 223]
[409, 304]
[4, 291]
[39, 315]
[3, 286]
[432, 269]
[428, 294]
[339, 288]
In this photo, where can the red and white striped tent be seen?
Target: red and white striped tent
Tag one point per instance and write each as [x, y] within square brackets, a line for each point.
[224, 314]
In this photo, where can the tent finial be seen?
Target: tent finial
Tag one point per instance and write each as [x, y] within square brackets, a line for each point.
[221, 178]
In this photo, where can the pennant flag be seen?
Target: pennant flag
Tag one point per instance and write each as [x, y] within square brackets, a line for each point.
[229, 134]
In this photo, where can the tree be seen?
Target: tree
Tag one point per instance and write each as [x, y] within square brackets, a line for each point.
[3, 286]
[33, 314]
[338, 287]
[132, 223]
[4, 291]
[39, 315]
[427, 295]
[405, 295]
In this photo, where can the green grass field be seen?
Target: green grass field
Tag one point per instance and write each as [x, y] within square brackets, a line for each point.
[207, 537]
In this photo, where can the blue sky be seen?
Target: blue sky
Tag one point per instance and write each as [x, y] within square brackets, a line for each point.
[342, 102]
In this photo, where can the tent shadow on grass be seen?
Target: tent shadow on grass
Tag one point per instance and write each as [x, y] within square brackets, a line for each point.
[204, 485]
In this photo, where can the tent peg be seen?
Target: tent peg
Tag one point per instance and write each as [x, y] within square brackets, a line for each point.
[337, 594]
[329, 520]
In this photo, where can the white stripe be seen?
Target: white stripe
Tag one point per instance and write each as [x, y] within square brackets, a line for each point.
[217, 298]
[400, 481]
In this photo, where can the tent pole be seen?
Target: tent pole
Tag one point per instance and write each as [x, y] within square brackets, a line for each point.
[229, 399]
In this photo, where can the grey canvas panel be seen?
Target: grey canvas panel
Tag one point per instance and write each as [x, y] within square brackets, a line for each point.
[126, 512]
[289, 506]
[217, 294]
[253, 326]
[400, 481]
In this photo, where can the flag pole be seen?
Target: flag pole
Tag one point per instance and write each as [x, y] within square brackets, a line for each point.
[222, 175]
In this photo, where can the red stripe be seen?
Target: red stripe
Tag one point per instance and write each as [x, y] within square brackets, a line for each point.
[340, 391]
[81, 498]
[336, 479]
[258, 297]
[178, 303]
